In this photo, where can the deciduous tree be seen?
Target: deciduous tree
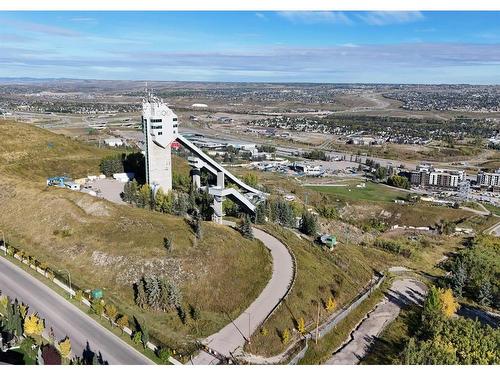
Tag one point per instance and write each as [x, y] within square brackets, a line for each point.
[285, 336]
[64, 348]
[331, 304]
[301, 326]
[34, 326]
[448, 303]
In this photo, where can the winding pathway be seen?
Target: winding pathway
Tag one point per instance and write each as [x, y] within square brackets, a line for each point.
[402, 292]
[233, 336]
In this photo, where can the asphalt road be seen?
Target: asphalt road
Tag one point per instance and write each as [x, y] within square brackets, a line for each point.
[66, 319]
[233, 336]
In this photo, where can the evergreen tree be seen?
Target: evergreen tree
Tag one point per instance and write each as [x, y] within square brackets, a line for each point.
[167, 244]
[181, 204]
[165, 297]
[261, 213]
[182, 314]
[130, 191]
[194, 312]
[174, 295]
[459, 278]
[308, 224]
[283, 213]
[141, 299]
[245, 227]
[144, 336]
[196, 224]
[485, 296]
[153, 291]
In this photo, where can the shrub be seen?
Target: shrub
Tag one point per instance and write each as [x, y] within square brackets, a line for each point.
[164, 354]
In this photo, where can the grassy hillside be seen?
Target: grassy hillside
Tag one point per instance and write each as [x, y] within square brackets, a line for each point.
[34, 154]
[111, 246]
[320, 274]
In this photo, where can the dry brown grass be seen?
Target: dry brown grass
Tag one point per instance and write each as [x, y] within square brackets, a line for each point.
[111, 246]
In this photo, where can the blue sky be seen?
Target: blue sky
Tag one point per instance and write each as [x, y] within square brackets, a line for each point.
[371, 47]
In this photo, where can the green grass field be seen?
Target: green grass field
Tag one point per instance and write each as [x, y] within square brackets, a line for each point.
[372, 192]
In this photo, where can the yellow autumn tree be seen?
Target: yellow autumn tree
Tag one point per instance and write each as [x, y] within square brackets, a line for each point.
[33, 326]
[122, 321]
[23, 309]
[331, 305]
[285, 336]
[449, 305]
[111, 311]
[64, 347]
[301, 326]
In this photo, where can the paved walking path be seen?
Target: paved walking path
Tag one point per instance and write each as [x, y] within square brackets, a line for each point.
[233, 336]
[402, 292]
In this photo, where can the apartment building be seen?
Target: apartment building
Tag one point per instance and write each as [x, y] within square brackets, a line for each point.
[486, 179]
[427, 175]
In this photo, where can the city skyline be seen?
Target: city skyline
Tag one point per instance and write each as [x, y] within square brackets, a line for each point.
[337, 47]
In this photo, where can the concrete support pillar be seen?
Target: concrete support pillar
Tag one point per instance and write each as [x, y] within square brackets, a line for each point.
[220, 179]
[218, 212]
[196, 178]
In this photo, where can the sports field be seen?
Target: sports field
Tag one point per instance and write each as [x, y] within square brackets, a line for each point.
[371, 192]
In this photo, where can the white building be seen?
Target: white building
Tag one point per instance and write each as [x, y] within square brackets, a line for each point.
[160, 127]
[427, 175]
[113, 142]
[488, 179]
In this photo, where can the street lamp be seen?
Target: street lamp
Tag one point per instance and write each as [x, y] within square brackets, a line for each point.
[69, 279]
[249, 333]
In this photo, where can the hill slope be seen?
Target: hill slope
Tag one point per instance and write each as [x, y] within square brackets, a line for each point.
[111, 246]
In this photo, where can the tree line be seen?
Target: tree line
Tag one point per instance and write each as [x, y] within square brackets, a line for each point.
[438, 337]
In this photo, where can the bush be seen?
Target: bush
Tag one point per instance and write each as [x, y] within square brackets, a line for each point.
[394, 247]
[137, 338]
[164, 355]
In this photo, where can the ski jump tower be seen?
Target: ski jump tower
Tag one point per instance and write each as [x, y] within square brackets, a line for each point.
[160, 126]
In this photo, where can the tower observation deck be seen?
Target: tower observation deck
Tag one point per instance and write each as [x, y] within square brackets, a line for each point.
[160, 126]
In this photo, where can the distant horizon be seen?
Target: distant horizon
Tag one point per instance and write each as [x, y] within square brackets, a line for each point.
[246, 82]
[386, 47]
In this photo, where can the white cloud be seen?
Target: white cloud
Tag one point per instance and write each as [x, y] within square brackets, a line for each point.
[317, 17]
[384, 18]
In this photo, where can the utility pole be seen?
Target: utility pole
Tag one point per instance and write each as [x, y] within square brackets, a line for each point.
[317, 325]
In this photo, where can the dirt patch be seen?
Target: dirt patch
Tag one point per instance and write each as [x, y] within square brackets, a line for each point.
[93, 207]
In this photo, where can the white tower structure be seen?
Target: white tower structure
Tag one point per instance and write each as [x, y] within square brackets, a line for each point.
[160, 127]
